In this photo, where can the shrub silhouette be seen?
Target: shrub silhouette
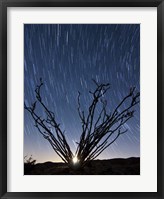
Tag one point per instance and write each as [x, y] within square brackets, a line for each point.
[99, 131]
[29, 164]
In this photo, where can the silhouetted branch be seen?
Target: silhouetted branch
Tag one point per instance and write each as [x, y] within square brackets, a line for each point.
[106, 126]
[57, 140]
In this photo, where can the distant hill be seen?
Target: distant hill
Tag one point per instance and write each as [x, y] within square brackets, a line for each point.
[118, 166]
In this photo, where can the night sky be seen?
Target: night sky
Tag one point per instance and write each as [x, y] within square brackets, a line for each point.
[68, 57]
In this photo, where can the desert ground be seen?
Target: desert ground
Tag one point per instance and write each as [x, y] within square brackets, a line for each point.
[119, 166]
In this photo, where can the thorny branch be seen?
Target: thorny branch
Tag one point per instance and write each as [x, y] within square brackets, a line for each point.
[99, 131]
[57, 139]
[98, 134]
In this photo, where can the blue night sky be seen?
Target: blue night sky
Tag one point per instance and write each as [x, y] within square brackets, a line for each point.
[68, 57]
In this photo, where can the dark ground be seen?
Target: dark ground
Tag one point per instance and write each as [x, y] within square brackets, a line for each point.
[129, 166]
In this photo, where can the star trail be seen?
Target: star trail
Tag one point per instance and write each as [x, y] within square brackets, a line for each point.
[68, 57]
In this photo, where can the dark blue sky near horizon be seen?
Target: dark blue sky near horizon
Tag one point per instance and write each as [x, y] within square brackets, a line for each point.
[68, 57]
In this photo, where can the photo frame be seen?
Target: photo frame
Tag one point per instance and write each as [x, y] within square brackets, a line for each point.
[4, 92]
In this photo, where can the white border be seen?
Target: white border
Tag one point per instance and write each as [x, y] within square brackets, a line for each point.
[147, 181]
